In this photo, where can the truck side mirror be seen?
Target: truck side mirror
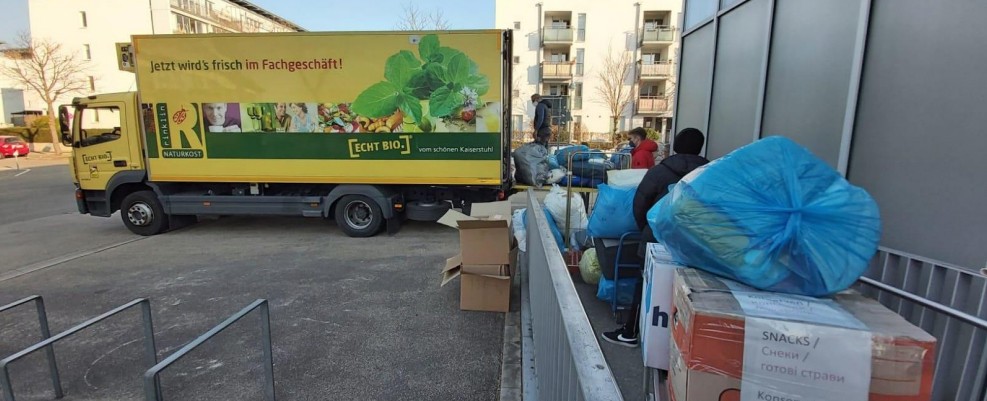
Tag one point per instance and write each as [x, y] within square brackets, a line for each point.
[65, 125]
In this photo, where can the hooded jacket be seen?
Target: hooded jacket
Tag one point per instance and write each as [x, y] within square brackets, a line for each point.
[655, 183]
[643, 155]
[542, 119]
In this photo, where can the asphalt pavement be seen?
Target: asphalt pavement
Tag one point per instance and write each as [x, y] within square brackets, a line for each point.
[352, 319]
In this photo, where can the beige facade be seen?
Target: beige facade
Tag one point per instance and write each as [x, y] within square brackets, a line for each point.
[92, 27]
[559, 48]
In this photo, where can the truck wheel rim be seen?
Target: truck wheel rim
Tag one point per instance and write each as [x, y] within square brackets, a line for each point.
[140, 214]
[358, 215]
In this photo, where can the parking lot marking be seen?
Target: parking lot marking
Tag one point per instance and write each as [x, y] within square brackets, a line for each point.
[22, 173]
[62, 259]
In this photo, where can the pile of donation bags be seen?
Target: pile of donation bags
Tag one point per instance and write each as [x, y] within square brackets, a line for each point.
[537, 167]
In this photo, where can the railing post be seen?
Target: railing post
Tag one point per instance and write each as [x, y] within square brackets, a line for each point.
[265, 321]
[56, 381]
[150, 350]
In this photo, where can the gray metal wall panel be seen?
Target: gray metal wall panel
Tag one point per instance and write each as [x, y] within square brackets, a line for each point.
[919, 142]
[693, 90]
[809, 73]
[697, 11]
[740, 47]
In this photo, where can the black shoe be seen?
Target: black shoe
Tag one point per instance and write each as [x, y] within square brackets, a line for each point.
[619, 337]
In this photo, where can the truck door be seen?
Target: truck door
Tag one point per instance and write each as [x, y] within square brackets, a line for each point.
[102, 145]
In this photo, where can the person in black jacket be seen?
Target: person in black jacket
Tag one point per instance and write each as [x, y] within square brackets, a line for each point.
[654, 186]
[543, 120]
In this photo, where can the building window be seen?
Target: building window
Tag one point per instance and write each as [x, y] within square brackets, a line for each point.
[518, 122]
[577, 95]
[581, 28]
[185, 24]
[89, 54]
[517, 59]
[83, 20]
[517, 24]
[580, 54]
[92, 84]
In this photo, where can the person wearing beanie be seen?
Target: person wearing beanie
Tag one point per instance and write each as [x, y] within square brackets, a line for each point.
[687, 146]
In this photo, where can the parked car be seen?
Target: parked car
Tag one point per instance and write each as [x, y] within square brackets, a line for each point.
[12, 145]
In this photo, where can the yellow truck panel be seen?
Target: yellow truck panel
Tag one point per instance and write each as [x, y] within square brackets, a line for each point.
[381, 108]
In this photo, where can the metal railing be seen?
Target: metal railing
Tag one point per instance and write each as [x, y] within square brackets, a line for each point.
[652, 104]
[658, 34]
[947, 301]
[149, 351]
[656, 69]
[569, 364]
[39, 304]
[556, 69]
[556, 35]
[152, 385]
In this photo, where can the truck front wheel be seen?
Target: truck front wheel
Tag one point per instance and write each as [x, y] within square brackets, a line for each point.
[358, 216]
[142, 213]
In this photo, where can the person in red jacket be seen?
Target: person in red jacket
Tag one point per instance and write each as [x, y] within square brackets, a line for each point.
[643, 154]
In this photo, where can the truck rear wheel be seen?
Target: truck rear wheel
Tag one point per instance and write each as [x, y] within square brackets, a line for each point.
[358, 216]
[426, 211]
[142, 213]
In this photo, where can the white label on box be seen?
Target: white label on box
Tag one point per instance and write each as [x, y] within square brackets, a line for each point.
[796, 307]
[788, 361]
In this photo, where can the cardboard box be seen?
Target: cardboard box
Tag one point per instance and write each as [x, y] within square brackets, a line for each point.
[486, 262]
[718, 335]
[482, 287]
[656, 306]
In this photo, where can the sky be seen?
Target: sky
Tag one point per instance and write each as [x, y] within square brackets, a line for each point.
[319, 15]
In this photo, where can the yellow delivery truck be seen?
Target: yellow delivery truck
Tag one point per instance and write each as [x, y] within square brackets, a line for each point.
[363, 128]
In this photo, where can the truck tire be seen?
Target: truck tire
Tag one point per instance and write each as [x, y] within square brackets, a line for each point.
[142, 213]
[358, 216]
[422, 211]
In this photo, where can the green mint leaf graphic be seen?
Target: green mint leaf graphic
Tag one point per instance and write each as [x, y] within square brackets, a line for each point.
[479, 83]
[474, 68]
[379, 100]
[418, 85]
[448, 54]
[443, 101]
[459, 68]
[400, 67]
[411, 106]
[436, 75]
[428, 46]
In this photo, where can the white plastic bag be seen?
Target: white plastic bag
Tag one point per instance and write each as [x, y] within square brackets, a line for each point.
[555, 203]
[626, 178]
[520, 231]
[555, 175]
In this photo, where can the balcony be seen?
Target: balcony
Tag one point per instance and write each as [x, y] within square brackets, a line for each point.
[655, 70]
[657, 105]
[660, 35]
[556, 35]
[551, 70]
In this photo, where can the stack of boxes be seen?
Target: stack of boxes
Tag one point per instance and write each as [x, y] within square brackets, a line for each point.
[724, 341]
[487, 261]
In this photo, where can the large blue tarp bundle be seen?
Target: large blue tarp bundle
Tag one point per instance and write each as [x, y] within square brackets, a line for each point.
[773, 216]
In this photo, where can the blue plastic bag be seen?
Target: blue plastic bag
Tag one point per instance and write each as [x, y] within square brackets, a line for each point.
[555, 231]
[562, 155]
[773, 216]
[585, 182]
[625, 290]
[553, 163]
[613, 214]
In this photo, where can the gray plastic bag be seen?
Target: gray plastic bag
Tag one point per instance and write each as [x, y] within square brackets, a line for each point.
[532, 165]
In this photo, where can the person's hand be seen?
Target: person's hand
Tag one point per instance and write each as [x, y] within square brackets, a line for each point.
[232, 128]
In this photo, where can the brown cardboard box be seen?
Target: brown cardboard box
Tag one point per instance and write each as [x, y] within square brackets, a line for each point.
[709, 335]
[482, 287]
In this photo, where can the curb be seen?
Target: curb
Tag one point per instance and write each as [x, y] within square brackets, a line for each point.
[510, 368]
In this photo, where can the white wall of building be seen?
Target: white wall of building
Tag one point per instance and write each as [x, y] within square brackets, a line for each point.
[607, 23]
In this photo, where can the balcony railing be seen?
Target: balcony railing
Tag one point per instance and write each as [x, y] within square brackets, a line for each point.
[556, 70]
[556, 35]
[658, 69]
[660, 34]
[652, 104]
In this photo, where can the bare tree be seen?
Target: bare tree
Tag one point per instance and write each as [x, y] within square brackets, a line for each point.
[612, 88]
[414, 19]
[49, 70]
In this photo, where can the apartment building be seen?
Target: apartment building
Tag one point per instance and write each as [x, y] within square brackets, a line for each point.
[559, 48]
[91, 27]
